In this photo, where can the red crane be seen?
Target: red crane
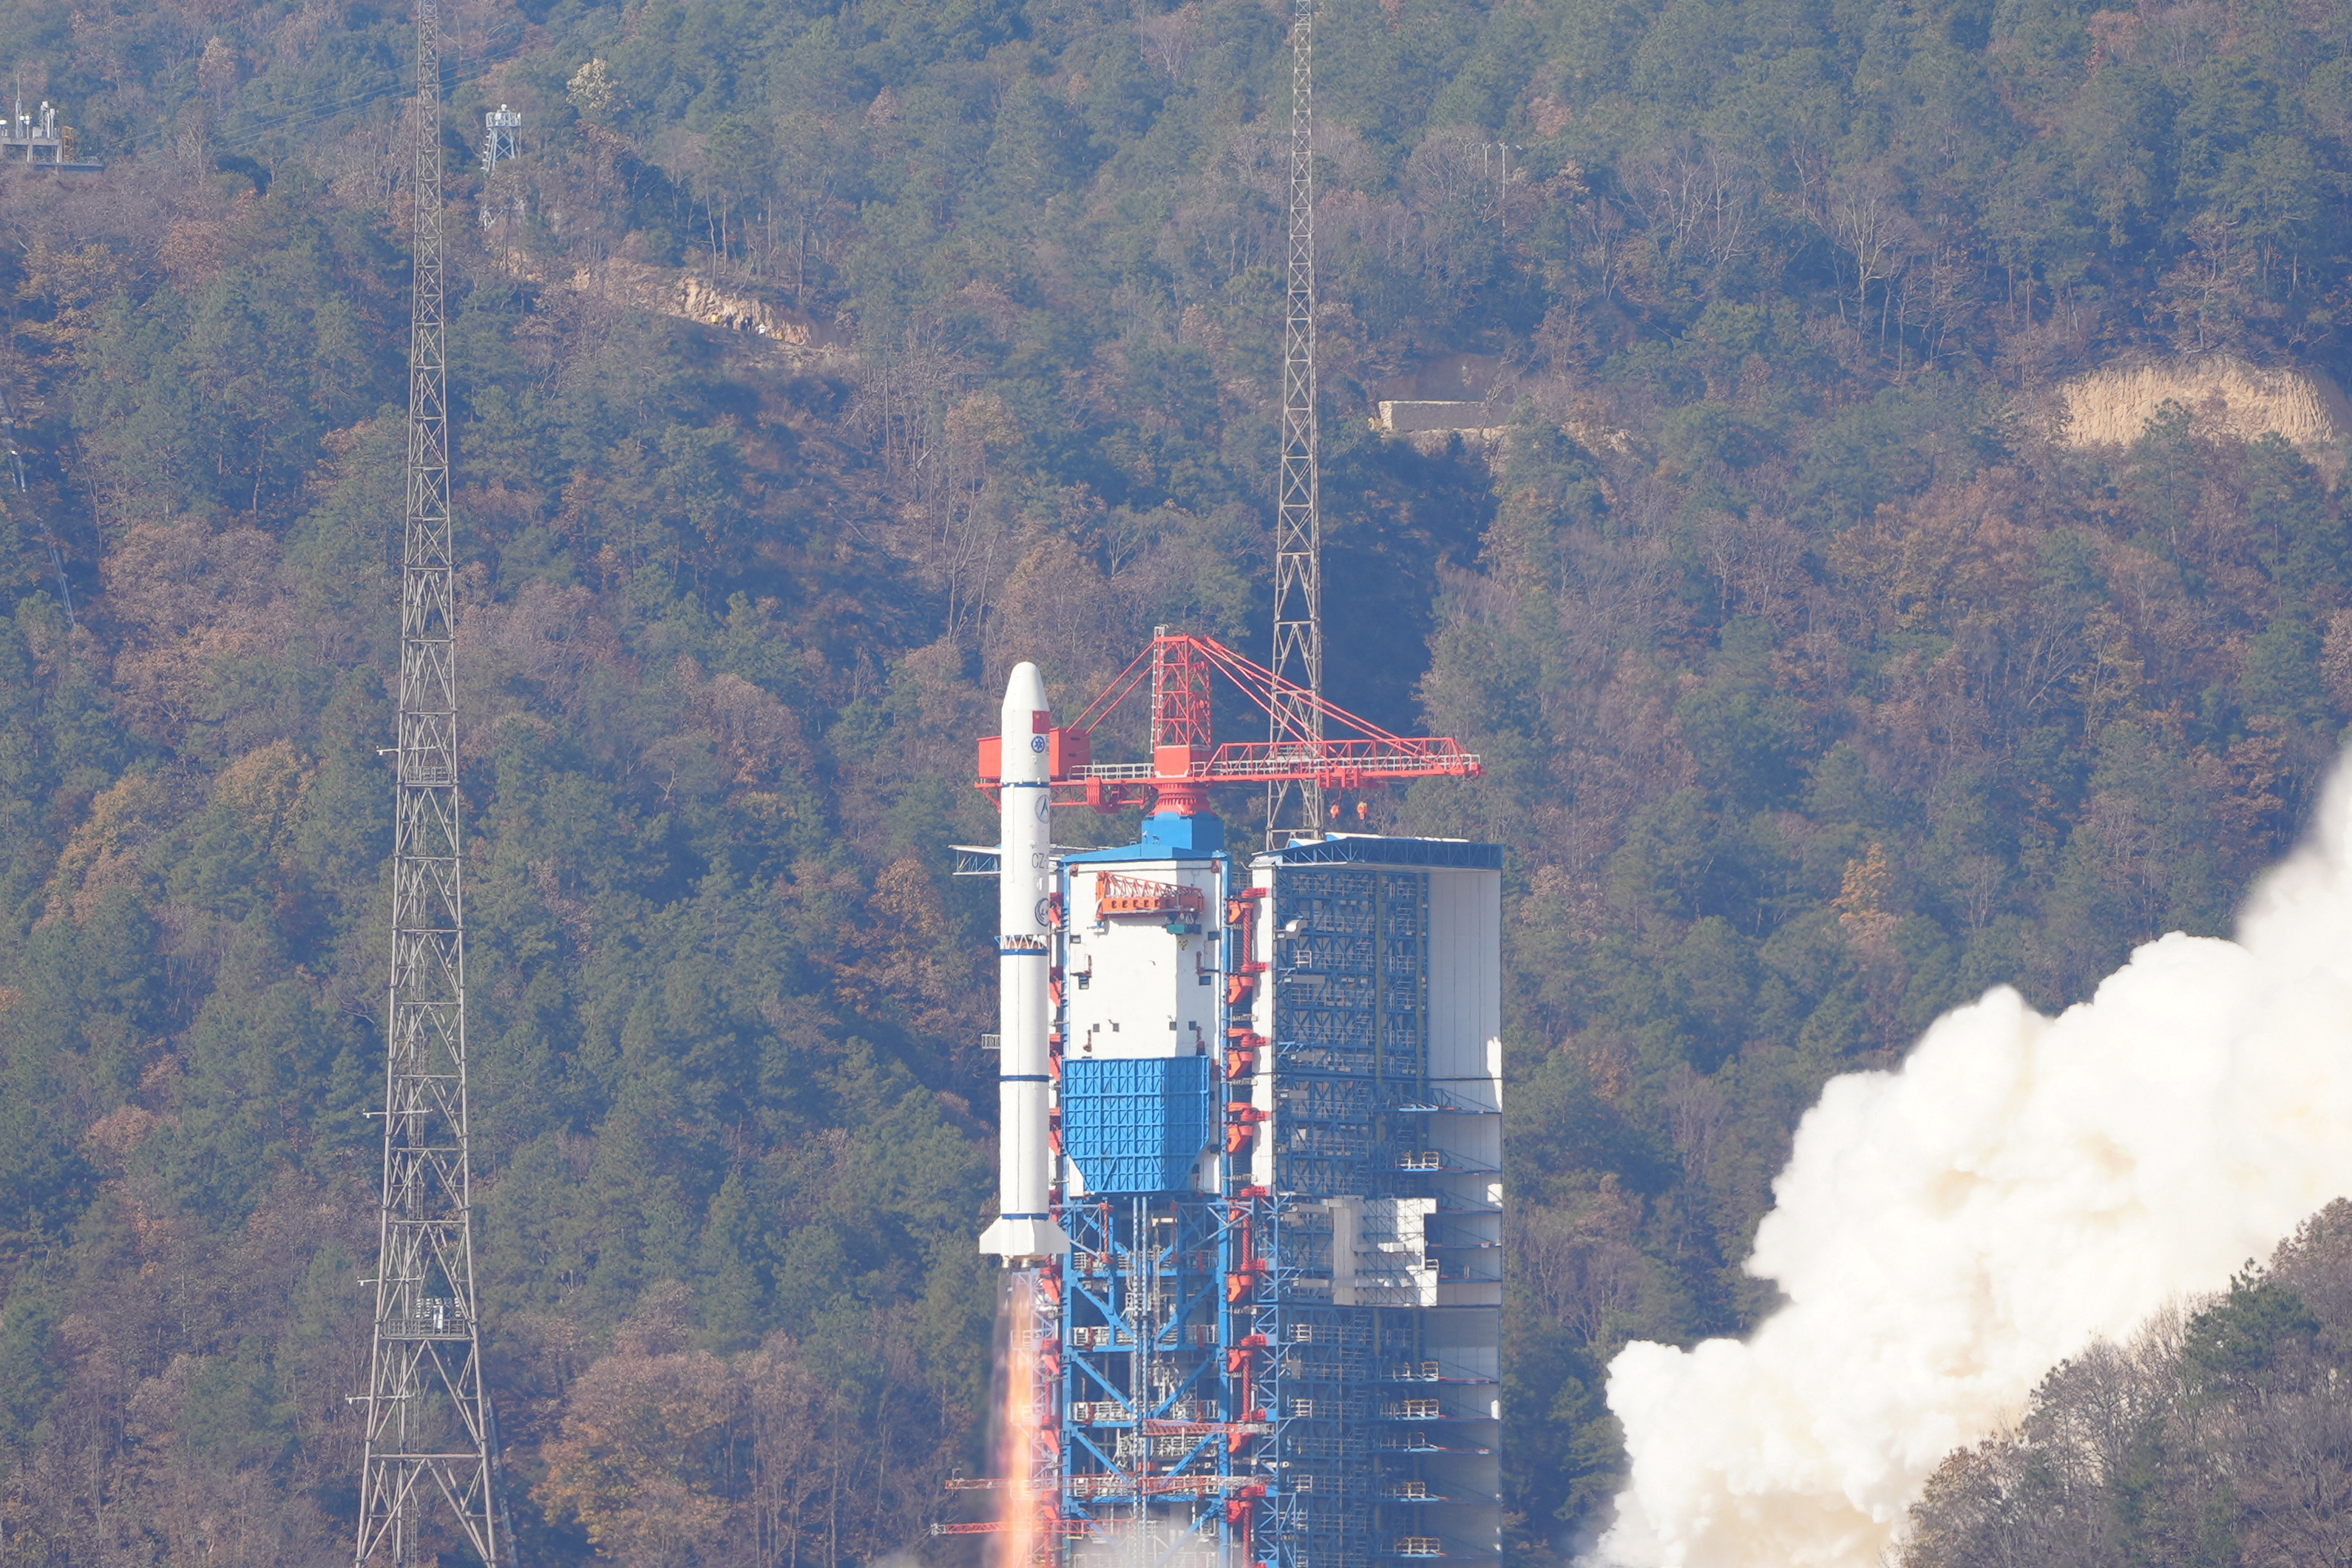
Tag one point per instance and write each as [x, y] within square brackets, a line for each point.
[1187, 761]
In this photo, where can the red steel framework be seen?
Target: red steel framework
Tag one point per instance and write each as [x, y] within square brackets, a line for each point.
[1115, 894]
[1350, 753]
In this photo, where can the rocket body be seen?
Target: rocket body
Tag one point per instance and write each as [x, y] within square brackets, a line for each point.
[1026, 1228]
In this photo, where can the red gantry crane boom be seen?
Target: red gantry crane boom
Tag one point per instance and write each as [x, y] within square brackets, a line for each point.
[1186, 760]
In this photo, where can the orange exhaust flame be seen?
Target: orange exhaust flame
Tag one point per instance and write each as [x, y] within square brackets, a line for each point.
[1021, 1540]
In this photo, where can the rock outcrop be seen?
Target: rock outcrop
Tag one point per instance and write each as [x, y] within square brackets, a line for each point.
[667, 291]
[2227, 397]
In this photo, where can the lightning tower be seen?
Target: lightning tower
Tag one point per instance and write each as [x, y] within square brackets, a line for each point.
[429, 1443]
[1295, 723]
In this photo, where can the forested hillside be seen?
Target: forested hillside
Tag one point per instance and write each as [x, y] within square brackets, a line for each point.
[2216, 1436]
[1820, 685]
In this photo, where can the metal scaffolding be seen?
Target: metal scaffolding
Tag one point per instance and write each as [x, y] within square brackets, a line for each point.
[1351, 1051]
[1146, 1428]
[429, 1439]
[1296, 719]
[1352, 991]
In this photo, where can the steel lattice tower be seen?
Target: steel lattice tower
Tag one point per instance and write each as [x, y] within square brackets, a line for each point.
[429, 1437]
[1296, 720]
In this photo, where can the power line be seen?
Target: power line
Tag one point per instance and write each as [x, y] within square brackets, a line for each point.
[255, 130]
[319, 109]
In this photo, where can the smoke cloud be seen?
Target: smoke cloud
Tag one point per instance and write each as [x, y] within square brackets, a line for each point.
[1945, 1232]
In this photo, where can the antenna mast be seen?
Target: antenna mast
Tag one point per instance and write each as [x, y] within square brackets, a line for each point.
[1295, 723]
[429, 1437]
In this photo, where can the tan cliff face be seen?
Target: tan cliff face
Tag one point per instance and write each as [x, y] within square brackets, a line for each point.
[2227, 397]
[665, 291]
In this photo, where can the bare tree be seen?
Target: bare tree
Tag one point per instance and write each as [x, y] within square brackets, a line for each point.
[1167, 40]
[1701, 203]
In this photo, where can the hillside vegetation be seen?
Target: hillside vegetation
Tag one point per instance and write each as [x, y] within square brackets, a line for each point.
[1817, 690]
[2218, 1436]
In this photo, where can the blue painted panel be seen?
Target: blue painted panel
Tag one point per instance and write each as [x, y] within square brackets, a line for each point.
[1137, 1125]
[1166, 837]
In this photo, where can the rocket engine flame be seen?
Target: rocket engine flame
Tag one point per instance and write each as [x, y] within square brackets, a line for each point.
[1945, 1232]
[1022, 1422]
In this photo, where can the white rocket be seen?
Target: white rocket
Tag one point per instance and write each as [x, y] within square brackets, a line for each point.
[1024, 1229]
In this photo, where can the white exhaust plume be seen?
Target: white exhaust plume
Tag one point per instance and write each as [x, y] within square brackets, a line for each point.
[1945, 1232]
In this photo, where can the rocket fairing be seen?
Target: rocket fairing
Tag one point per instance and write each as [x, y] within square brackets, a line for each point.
[1024, 1230]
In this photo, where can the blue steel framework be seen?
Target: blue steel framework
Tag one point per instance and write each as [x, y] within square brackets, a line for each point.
[1152, 1424]
[1350, 1050]
[1214, 1402]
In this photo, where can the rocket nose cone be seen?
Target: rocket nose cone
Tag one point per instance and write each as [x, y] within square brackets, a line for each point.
[1024, 695]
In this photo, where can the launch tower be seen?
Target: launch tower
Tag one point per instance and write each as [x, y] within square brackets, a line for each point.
[1270, 1142]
